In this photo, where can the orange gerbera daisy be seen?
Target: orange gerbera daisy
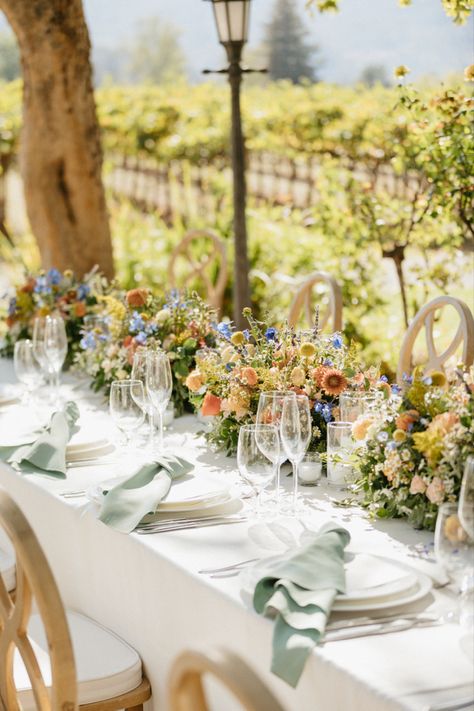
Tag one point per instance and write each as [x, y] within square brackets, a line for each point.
[334, 382]
[318, 374]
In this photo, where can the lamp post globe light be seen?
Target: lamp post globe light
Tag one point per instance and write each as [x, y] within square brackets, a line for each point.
[232, 22]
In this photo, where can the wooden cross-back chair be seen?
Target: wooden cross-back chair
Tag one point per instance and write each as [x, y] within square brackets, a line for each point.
[186, 689]
[425, 318]
[331, 315]
[40, 658]
[214, 261]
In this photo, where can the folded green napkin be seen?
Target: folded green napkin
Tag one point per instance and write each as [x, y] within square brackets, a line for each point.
[125, 504]
[301, 588]
[47, 451]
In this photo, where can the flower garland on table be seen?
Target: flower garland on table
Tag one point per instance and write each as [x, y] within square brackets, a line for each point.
[179, 323]
[227, 383]
[48, 292]
[414, 454]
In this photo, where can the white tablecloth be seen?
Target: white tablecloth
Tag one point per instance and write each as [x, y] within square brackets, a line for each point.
[147, 589]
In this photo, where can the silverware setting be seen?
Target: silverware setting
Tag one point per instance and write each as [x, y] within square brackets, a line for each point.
[168, 525]
[228, 568]
[376, 627]
[467, 702]
[364, 621]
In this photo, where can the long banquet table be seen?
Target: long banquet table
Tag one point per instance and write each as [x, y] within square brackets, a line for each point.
[147, 588]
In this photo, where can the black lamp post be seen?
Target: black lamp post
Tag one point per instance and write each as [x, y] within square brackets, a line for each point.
[232, 21]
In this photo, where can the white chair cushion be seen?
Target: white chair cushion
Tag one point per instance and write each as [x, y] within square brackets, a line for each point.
[7, 570]
[106, 666]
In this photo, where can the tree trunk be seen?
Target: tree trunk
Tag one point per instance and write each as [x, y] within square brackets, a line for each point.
[60, 153]
[398, 256]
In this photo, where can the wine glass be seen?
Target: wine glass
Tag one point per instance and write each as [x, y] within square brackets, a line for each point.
[55, 346]
[159, 386]
[139, 369]
[39, 328]
[295, 432]
[126, 411]
[27, 368]
[255, 457]
[270, 407]
[466, 498]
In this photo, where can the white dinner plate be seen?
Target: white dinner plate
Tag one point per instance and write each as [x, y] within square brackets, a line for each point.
[84, 454]
[397, 596]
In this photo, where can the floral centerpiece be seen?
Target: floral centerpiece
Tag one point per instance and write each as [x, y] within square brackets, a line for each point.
[48, 292]
[180, 323]
[414, 453]
[227, 383]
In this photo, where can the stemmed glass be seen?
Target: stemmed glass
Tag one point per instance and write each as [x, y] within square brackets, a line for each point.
[270, 407]
[27, 368]
[255, 457]
[39, 328]
[295, 432]
[55, 346]
[126, 410]
[159, 386]
[139, 370]
[466, 498]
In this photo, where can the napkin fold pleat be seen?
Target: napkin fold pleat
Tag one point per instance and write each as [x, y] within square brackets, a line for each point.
[125, 505]
[300, 588]
[48, 451]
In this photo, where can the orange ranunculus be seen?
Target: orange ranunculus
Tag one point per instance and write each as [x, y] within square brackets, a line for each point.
[194, 381]
[405, 419]
[80, 309]
[137, 297]
[29, 286]
[127, 341]
[211, 405]
[249, 376]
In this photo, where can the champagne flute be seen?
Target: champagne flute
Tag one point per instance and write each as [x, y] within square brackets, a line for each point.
[270, 407]
[27, 368]
[125, 407]
[255, 459]
[55, 346]
[466, 498]
[159, 386]
[295, 431]
[139, 370]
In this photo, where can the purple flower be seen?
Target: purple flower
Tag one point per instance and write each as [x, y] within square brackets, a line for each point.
[136, 322]
[224, 329]
[271, 334]
[396, 389]
[328, 362]
[12, 306]
[42, 286]
[327, 412]
[246, 333]
[54, 277]
[337, 341]
[383, 379]
[382, 436]
[88, 342]
[391, 446]
[427, 380]
[82, 291]
[407, 379]
[141, 338]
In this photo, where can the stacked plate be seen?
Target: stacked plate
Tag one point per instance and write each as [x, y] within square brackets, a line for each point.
[84, 446]
[8, 395]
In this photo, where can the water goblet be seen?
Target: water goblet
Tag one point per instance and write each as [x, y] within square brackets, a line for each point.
[139, 371]
[27, 369]
[256, 458]
[159, 386]
[126, 411]
[295, 431]
[466, 498]
[55, 346]
[270, 407]
[39, 352]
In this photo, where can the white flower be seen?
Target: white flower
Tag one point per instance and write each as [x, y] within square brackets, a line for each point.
[121, 374]
[162, 316]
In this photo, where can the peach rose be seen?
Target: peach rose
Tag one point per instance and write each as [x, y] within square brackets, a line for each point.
[406, 419]
[194, 381]
[249, 376]
[417, 485]
[80, 309]
[297, 376]
[360, 427]
[445, 422]
[137, 297]
[435, 491]
[211, 405]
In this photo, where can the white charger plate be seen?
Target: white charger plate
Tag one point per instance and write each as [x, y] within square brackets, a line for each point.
[85, 454]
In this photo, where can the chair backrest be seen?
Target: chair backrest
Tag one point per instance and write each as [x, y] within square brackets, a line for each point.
[425, 318]
[34, 580]
[186, 691]
[213, 263]
[332, 315]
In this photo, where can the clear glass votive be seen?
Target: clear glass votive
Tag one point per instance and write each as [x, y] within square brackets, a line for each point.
[339, 447]
[354, 404]
[310, 469]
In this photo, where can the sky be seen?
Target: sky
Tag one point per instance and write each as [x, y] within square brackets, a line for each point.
[364, 32]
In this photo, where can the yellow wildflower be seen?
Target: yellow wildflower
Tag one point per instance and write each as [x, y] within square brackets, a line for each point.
[237, 338]
[469, 73]
[307, 350]
[401, 71]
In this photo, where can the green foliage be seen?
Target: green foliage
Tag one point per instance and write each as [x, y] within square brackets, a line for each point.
[290, 56]
[458, 10]
[156, 56]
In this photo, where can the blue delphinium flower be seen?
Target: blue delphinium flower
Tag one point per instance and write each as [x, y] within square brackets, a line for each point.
[224, 329]
[136, 322]
[396, 389]
[83, 291]
[382, 436]
[42, 286]
[12, 306]
[337, 341]
[141, 338]
[383, 379]
[151, 328]
[391, 446]
[407, 379]
[271, 334]
[328, 362]
[246, 333]
[326, 412]
[54, 277]
[427, 380]
[87, 342]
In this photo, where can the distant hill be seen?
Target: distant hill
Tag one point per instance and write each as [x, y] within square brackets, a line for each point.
[365, 32]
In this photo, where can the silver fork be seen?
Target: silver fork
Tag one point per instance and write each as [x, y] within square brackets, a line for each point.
[228, 568]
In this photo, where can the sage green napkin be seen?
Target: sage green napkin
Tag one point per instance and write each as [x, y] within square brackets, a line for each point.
[301, 588]
[125, 504]
[48, 451]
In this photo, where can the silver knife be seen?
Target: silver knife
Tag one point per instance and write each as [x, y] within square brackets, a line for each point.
[378, 629]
